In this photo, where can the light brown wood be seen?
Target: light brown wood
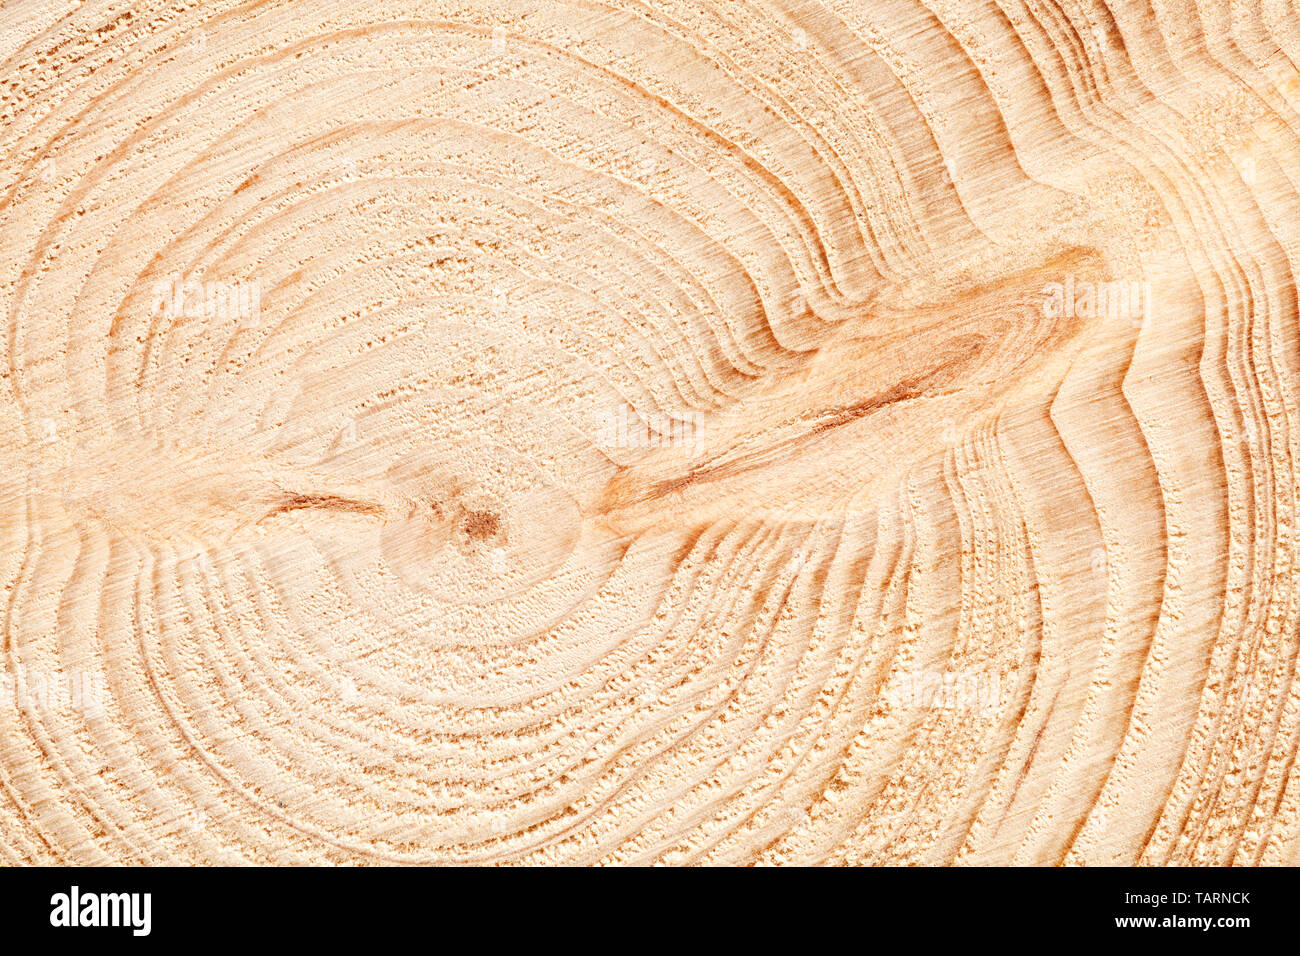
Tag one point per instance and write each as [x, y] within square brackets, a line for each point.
[852, 432]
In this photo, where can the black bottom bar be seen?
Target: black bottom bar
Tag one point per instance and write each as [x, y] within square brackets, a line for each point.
[771, 909]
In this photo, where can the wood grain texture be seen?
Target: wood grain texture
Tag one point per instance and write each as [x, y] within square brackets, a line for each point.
[840, 432]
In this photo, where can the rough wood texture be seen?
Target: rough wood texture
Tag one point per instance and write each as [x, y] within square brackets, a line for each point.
[690, 432]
